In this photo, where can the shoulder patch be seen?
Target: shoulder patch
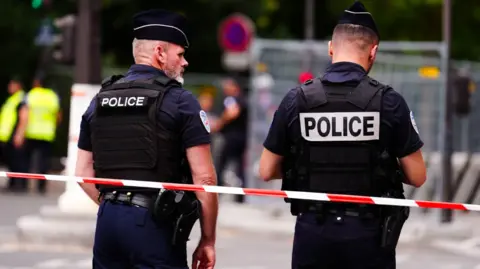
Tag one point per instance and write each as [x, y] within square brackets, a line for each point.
[204, 119]
[412, 119]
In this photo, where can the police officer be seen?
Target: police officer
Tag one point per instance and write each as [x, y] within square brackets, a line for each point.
[232, 124]
[13, 125]
[145, 126]
[345, 133]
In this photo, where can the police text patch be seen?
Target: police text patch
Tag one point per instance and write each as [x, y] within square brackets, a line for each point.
[340, 126]
[124, 101]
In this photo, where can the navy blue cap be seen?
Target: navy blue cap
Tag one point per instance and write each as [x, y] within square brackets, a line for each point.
[162, 25]
[357, 14]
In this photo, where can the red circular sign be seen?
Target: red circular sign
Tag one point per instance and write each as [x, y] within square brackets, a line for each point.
[236, 33]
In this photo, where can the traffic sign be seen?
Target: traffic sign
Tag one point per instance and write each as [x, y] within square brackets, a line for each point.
[45, 34]
[236, 33]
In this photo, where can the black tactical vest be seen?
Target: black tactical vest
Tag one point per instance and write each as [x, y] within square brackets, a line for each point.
[128, 140]
[341, 142]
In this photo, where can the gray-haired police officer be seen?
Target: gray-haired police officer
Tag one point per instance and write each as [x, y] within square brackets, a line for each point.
[344, 133]
[145, 126]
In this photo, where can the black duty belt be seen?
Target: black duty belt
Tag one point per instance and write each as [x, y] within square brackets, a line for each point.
[129, 198]
[352, 212]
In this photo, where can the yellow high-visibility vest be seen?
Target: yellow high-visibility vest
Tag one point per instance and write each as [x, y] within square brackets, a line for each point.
[9, 115]
[43, 105]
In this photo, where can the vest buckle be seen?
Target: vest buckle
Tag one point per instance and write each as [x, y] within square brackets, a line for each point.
[374, 82]
[115, 196]
[129, 198]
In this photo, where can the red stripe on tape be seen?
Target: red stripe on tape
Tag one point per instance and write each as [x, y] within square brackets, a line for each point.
[183, 187]
[260, 192]
[103, 181]
[350, 199]
[265, 192]
[442, 205]
[26, 175]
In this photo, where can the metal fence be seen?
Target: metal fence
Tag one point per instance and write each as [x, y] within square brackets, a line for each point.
[285, 59]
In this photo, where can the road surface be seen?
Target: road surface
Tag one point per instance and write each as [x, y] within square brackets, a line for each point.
[236, 248]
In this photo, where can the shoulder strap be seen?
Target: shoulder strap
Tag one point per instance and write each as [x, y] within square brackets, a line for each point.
[365, 92]
[110, 80]
[314, 93]
[159, 83]
[166, 82]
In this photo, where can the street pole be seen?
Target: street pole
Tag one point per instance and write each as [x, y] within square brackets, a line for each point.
[447, 144]
[309, 19]
[87, 80]
[87, 52]
[309, 32]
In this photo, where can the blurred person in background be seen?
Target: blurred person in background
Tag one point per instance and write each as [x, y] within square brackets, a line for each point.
[206, 101]
[44, 117]
[232, 124]
[13, 125]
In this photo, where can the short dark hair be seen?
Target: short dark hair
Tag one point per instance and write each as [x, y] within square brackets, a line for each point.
[361, 36]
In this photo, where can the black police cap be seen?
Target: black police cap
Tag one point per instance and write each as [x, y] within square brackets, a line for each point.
[162, 25]
[357, 14]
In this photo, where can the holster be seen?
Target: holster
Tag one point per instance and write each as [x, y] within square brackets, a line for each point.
[180, 209]
[393, 219]
[164, 206]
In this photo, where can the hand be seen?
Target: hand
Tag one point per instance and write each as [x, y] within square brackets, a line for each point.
[18, 141]
[204, 256]
[232, 112]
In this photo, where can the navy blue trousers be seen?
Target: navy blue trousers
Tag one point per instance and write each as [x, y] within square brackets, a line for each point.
[333, 244]
[126, 237]
[45, 151]
[16, 160]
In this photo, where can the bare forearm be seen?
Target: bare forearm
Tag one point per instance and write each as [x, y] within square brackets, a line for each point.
[86, 170]
[22, 122]
[208, 219]
[209, 201]
[21, 128]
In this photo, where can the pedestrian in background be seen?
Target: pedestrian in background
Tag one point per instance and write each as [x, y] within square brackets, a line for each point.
[13, 125]
[44, 117]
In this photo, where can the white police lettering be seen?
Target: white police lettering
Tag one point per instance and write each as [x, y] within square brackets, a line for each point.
[124, 101]
[414, 124]
[340, 126]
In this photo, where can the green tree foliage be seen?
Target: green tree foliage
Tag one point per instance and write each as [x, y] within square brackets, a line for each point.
[416, 20]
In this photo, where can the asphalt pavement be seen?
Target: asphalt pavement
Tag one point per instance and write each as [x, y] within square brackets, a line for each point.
[247, 244]
[235, 250]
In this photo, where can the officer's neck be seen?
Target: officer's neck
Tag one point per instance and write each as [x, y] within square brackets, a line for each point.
[351, 59]
[149, 63]
[14, 91]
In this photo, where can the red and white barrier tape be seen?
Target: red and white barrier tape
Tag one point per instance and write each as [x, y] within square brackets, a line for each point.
[246, 191]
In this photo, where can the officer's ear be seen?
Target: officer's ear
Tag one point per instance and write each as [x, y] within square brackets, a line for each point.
[161, 53]
[373, 52]
[330, 49]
